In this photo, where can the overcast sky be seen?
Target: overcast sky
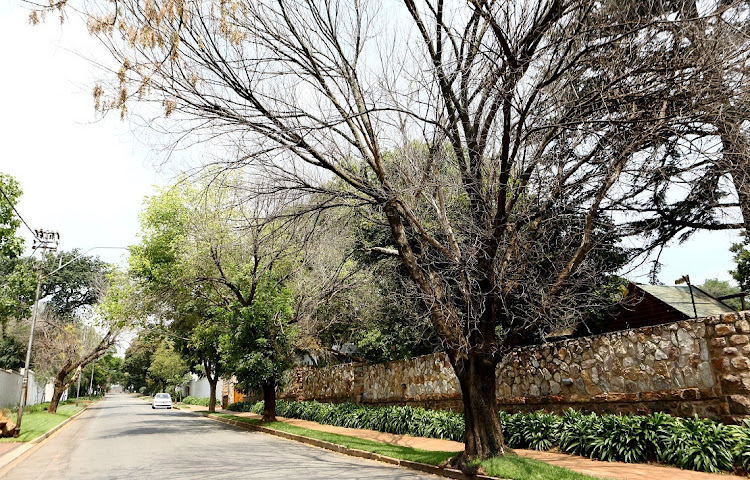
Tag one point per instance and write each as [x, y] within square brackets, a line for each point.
[82, 177]
[87, 178]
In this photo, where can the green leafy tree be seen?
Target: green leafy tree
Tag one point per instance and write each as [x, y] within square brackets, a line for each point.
[17, 290]
[198, 339]
[138, 359]
[17, 281]
[167, 369]
[76, 286]
[261, 343]
[720, 288]
[12, 353]
[11, 245]
[107, 372]
[742, 258]
[202, 258]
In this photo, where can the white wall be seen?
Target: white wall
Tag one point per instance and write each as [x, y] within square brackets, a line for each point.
[10, 389]
[199, 387]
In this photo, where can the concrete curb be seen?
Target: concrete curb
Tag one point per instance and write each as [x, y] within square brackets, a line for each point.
[11, 456]
[422, 467]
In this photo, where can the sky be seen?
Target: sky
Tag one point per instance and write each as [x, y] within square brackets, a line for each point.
[84, 177]
[87, 177]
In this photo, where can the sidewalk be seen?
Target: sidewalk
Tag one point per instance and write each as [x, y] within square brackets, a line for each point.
[6, 447]
[609, 470]
[9, 451]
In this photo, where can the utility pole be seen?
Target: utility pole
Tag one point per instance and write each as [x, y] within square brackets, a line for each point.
[44, 240]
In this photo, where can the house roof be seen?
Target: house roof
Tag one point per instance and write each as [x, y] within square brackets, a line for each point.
[678, 297]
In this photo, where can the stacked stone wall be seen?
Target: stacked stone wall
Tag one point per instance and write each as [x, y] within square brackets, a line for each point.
[690, 367]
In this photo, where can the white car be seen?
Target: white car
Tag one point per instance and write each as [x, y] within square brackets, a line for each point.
[162, 400]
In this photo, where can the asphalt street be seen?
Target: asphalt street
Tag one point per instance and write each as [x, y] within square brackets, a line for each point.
[122, 437]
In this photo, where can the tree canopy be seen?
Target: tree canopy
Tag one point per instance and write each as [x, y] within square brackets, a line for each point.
[472, 127]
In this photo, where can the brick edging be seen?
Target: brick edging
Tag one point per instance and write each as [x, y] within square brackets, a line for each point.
[353, 452]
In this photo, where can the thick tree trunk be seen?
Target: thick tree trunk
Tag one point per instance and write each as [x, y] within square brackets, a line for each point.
[269, 401]
[212, 393]
[483, 437]
[60, 388]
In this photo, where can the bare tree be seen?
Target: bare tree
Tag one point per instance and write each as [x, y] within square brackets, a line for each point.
[702, 179]
[60, 352]
[474, 127]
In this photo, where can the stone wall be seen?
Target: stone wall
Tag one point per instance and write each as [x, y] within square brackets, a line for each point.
[689, 367]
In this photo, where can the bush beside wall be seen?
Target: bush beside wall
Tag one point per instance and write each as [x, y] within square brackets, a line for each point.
[196, 401]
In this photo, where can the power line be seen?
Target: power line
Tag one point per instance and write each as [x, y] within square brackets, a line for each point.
[18, 214]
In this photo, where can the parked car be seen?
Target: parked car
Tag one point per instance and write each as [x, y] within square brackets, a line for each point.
[162, 400]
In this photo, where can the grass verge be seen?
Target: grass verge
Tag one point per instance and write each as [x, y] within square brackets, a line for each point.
[395, 451]
[40, 422]
[515, 468]
[520, 468]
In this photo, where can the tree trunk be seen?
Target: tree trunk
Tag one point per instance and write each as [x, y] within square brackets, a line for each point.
[269, 401]
[212, 393]
[56, 396]
[483, 437]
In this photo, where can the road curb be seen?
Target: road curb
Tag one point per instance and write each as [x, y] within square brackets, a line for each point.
[352, 452]
[13, 455]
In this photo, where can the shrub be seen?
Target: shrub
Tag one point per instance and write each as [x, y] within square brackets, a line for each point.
[699, 444]
[692, 443]
[537, 431]
[397, 419]
[741, 449]
[190, 400]
[244, 407]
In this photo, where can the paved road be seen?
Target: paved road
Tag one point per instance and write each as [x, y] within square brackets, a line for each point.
[123, 438]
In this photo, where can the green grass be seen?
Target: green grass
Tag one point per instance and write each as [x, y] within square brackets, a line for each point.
[520, 468]
[39, 422]
[515, 468]
[394, 451]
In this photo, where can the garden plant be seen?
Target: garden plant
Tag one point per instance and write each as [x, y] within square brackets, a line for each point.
[688, 443]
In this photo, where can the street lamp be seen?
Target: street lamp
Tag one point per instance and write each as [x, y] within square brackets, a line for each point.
[45, 240]
[686, 279]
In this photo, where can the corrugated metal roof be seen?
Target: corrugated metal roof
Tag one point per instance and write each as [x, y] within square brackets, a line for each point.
[678, 297]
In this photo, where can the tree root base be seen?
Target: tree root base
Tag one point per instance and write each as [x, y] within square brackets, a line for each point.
[471, 465]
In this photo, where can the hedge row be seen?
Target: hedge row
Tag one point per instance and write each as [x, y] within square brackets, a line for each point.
[689, 443]
[398, 420]
[196, 400]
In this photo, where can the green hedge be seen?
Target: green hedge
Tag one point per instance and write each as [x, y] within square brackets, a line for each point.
[399, 420]
[688, 443]
[196, 401]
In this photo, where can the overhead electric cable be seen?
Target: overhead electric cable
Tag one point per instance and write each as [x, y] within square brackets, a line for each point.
[18, 214]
